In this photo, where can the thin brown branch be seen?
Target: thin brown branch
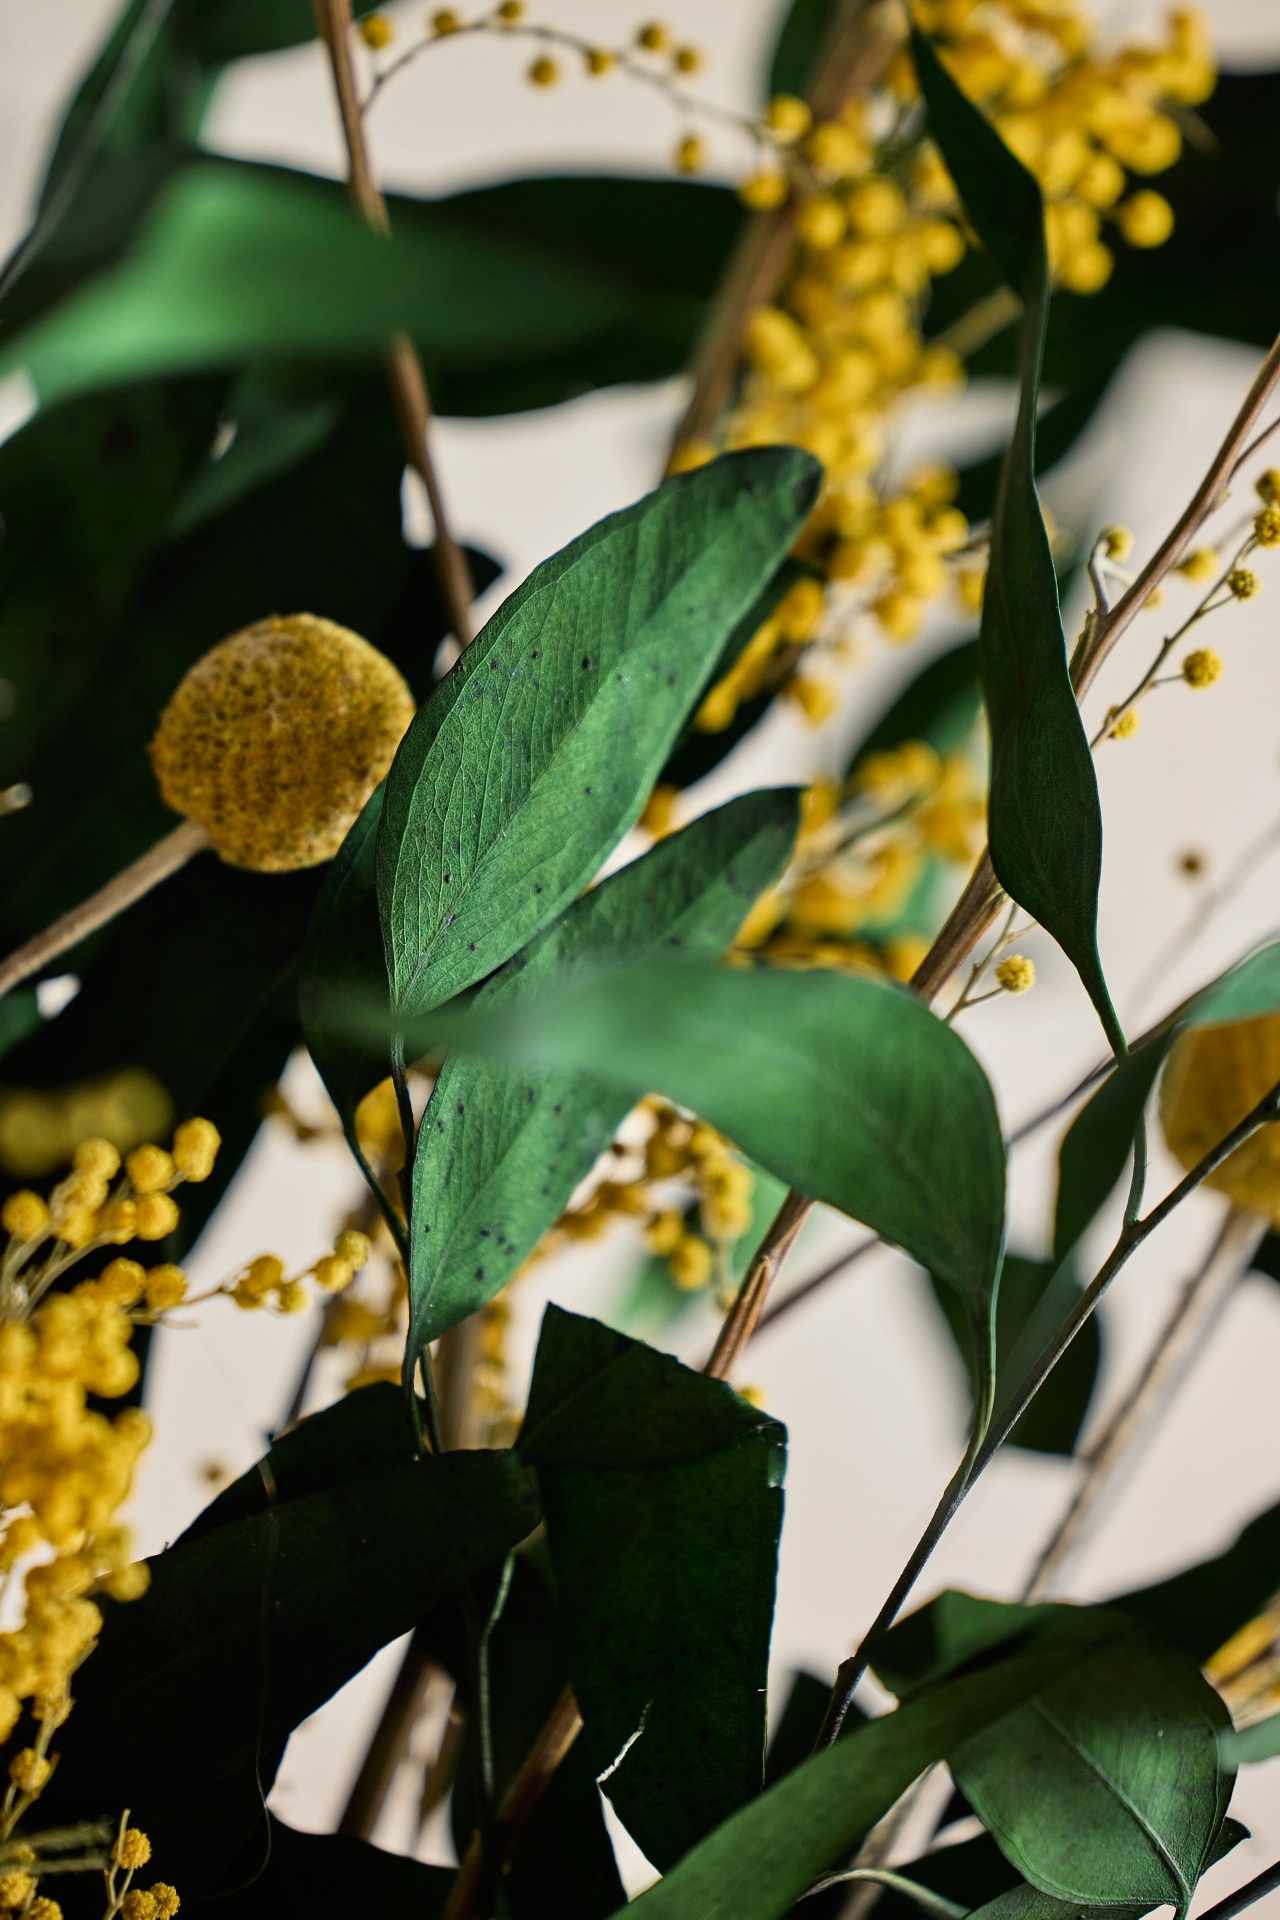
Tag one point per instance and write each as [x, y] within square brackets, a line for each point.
[121, 892]
[390, 1742]
[1194, 1312]
[404, 368]
[860, 41]
[517, 1804]
[744, 1315]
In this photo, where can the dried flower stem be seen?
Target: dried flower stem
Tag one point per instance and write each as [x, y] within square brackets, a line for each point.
[127, 887]
[1197, 1305]
[522, 1796]
[404, 368]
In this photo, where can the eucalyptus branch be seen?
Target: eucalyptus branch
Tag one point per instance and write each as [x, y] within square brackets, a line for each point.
[1256, 1889]
[978, 1458]
[404, 368]
[561, 1730]
[1198, 1304]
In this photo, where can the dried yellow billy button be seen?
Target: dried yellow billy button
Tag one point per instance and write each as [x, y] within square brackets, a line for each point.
[1215, 1076]
[276, 738]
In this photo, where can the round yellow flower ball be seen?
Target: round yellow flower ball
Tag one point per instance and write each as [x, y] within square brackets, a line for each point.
[1215, 1076]
[276, 738]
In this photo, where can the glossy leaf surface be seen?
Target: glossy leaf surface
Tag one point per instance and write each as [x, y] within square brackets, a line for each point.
[539, 750]
[1045, 821]
[500, 1153]
[662, 1491]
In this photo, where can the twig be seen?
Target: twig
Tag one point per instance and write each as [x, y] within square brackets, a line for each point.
[819, 1280]
[860, 40]
[517, 1804]
[404, 369]
[390, 1742]
[1263, 1883]
[1197, 1306]
[1132, 1235]
[743, 1316]
[127, 887]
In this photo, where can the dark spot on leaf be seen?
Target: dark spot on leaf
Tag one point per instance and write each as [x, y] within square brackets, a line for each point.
[461, 1107]
[479, 1273]
[586, 661]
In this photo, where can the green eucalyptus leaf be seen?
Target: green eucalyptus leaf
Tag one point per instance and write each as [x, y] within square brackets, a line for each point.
[248, 1628]
[762, 1859]
[1124, 1752]
[1200, 1608]
[343, 951]
[943, 1637]
[662, 1491]
[241, 263]
[843, 1086]
[539, 750]
[1098, 1144]
[1251, 1745]
[1044, 814]
[499, 1154]
[1025, 1902]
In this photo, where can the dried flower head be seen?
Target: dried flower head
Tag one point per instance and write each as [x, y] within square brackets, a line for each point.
[276, 738]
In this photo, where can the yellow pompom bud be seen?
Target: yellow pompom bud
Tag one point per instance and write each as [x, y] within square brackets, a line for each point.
[124, 1281]
[445, 21]
[276, 738]
[763, 191]
[292, 1297]
[1243, 583]
[117, 1222]
[353, 1247]
[128, 1583]
[166, 1287]
[688, 60]
[788, 118]
[1125, 725]
[139, 1905]
[24, 1215]
[1214, 1077]
[157, 1216]
[659, 815]
[821, 221]
[1088, 269]
[1201, 564]
[166, 1899]
[690, 1261]
[1017, 973]
[97, 1157]
[599, 60]
[1146, 220]
[376, 31]
[1266, 527]
[816, 699]
[42, 1908]
[1202, 668]
[1268, 486]
[511, 10]
[150, 1169]
[836, 152]
[544, 72]
[690, 455]
[262, 1276]
[1116, 542]
[332, 1273]
[653, 37]
[195, 1148]
[28, 1771]
[16, 1889]
[132, 1850]
[664, 1232]
[691, 154]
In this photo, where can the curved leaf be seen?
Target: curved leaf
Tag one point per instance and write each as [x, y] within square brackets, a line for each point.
[662, 1492]
[499, 1153]
[1045, 817]
[844, 1086]
[539, 750]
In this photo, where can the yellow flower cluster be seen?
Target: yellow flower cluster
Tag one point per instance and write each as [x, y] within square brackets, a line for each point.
[677, 1148]
[132, 1850]
[263, 1282]
[40, 1128]
[1246, 1671]
[861, 852]
[65, 1470]
[877, 222]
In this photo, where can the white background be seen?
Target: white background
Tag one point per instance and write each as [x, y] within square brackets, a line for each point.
[868, 1389]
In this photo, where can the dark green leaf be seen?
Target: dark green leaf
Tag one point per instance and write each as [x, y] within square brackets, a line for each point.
[1124, 1749]
[1202, 1607]
[943, 1637]
[1267, 1257]
[357, 1436]
[500, 1154]
[1252, 1744]
[240, 263]
[799, 44]
[343, 951]
[539, 750]
[939, 707]
[274, 432]
[800, 1723]
[250, 1627]
[759, 1862]
[1052, 1423]
[1024, 1902]
[329, 1876]
[844, 1086]
[1045, 818]
[662, 1491]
